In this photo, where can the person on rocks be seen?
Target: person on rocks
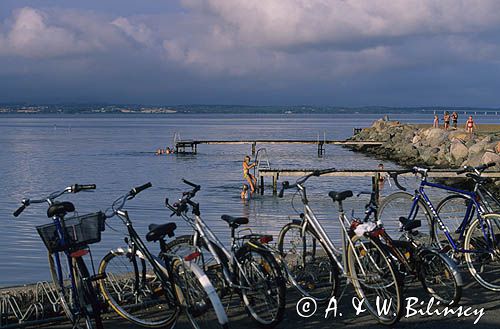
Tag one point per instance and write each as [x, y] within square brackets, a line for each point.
[446, 119]
[436, 122]
[454, 119]
[470, 125]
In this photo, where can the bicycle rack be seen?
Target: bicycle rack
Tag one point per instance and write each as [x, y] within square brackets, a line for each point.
[29, 306]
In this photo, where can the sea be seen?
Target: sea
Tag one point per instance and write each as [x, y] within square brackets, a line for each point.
[43, 153]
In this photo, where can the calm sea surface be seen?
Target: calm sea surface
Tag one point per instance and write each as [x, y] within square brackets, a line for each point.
[43, 153]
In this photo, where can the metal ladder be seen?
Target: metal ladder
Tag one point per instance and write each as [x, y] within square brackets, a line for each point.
[263, 163]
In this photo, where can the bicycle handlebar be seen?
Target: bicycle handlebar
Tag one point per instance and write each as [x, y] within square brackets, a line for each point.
[179, 207]
[54, 195]
[316, 173]
[479, 169]
[139, 189]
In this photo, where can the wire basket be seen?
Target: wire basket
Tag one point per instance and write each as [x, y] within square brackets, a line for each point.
[80, 231]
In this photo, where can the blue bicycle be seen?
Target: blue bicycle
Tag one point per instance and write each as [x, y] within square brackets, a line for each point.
[67, 241]
[476, 240]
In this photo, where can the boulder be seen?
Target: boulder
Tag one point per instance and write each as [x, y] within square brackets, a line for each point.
[458, 134]
[458, 150]
[476, 148]
[490, 157]
[418, 138]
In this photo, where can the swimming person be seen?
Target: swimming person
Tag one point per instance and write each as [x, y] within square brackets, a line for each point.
[244, 192]
[252, 181]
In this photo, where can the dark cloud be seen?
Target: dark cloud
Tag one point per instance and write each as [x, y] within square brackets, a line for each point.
[350, 52]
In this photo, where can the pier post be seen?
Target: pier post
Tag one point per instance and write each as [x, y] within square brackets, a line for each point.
[253, 148]
[320, 149]
[275, 184]
[261, 185]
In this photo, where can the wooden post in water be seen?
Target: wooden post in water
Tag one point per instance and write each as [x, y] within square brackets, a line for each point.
[253, 148]
[275, 183]
[261, 185]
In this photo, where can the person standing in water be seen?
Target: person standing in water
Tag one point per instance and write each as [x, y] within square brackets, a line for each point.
[244, 192]
[252, 181]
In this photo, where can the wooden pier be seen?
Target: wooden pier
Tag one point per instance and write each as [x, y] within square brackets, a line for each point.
[276, 173]
[191, 146]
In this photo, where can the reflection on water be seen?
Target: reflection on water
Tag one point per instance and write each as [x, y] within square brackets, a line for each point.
[115, 152]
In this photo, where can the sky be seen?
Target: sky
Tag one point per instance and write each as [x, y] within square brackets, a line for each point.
[251, 52]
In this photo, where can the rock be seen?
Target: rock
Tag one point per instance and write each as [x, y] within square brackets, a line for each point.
[416, 139]
[458, 150]
[458, 134]
[490, 157]
[476, 148]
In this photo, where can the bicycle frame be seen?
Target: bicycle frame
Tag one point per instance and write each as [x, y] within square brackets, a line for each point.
[203, 231]
[136, 244]
[311, 219]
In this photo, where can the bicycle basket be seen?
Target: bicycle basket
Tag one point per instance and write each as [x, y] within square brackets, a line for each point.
[80, 231]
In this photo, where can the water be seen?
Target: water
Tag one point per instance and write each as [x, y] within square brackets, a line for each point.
[43, 153]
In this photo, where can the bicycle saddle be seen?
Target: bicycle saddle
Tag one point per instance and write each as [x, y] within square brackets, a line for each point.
[158, 232]
[60, 209]
[234, 222]
[340, 196]
[409, 225]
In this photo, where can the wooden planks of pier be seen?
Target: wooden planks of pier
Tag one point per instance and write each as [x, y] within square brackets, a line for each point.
[191, 146]
[276, 173]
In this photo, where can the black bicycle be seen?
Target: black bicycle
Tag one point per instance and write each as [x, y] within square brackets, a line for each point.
[67, 241]
[151, 291]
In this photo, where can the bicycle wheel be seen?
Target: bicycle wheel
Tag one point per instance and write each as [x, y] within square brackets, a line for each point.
[59, 267]
[400, 204]
[135, 292]
[88, 300]
[440, 277]
[375, 279]
[482, 241]
[263, 285]
[452, 211]
[196, 293]
[312, 269]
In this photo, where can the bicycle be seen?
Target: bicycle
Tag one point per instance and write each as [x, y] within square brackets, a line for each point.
[436, 271]
[478, 240]
[248, 268]
[313, 259]
[67, 241]
[151, 290]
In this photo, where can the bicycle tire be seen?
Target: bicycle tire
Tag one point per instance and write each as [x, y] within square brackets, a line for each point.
[398, 205]
[135, 293]
[88, 299]
[440, 277]
[196, 293]
[478, 262]
[377, 273]
[307, 269]
[262, 274]
[452, 211]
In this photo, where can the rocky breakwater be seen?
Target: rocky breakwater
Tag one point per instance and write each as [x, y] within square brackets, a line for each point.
[409, 145]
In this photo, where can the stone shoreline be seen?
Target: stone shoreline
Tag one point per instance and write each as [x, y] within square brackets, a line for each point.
[412, 145]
